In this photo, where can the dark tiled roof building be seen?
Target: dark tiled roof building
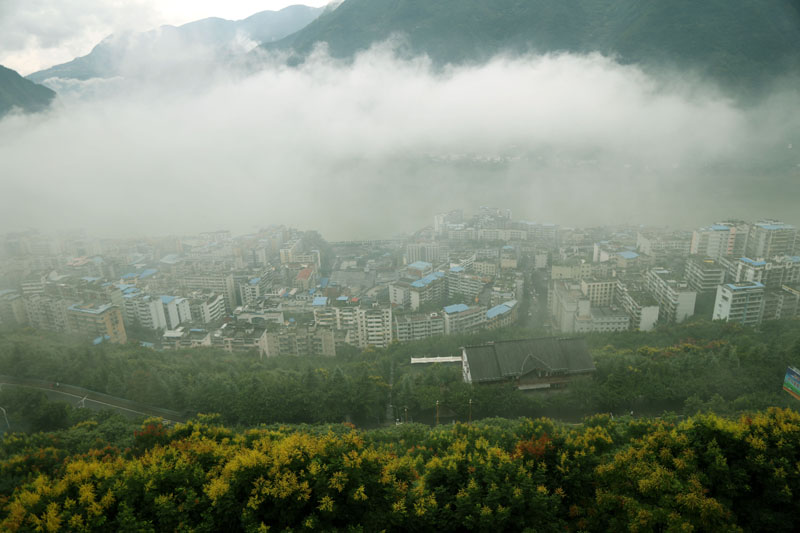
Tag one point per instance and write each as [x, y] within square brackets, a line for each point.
[530, 363]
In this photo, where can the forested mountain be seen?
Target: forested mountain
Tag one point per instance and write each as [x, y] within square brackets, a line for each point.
[17, 92]
[737, 42]
[133, 54]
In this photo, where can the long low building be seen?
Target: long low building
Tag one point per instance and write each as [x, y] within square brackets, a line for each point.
[530, 364]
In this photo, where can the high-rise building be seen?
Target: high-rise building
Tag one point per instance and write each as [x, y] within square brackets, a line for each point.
[720, 239]
[769, 238]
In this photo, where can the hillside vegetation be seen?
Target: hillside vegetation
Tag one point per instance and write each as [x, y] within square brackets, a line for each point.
[740, 43]
[706, 473]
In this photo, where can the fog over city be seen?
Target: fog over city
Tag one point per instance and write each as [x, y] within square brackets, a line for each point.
[365, 148]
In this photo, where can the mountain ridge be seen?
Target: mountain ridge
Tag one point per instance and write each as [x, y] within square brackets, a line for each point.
[18, 92]
[738, 43]
[117, 54]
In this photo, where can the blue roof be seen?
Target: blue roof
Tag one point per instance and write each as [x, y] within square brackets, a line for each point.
[456, 308]
[131, 290]
[342, 299]
[420, 265]
[144, 344]
[320, 300]
[323, 282]
[508, 247]
[427, 280]
[170, 259]
[89, 279]
[129, 275]
[752, 262]
[628, 255]
[719, 227]
[254, 281]
[497, 310]
[147, 273]
[167, 299]
[456, 269]
[774, 226]
[312, 291]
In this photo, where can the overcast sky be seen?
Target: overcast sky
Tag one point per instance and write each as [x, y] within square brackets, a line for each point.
[37, 34]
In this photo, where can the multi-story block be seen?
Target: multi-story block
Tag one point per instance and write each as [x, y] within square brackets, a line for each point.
[704, 274]
[720, 240]
[145, 310]
[289, 249]
[97, 321]
[769, 238]
[485, 268]
[46, 312]
[773, 273]
[207, 308]
[250, 292]
[12, 308]
[429, 252]
[508, 257]
[374, 327]
[301, 341]
[240, 337]
[219, 283]
[600, 292]
[417, 327]
[177, 310]
[463, 319]
[640, 306]
[659, 244]
[675, 299]
[741, 302]
[502, 315]
[460, 283]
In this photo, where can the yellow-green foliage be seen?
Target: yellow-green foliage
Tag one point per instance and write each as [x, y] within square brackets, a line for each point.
[704, 474]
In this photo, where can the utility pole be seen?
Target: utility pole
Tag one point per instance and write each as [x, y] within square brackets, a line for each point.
[437, 412]
[406, 413]
[470, 410]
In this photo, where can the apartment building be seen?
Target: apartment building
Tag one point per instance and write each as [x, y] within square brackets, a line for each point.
[704, 274]
[97, 321]
[769, 238]
[417, 327]
[462, 319]
[676, 300]
[741, 302]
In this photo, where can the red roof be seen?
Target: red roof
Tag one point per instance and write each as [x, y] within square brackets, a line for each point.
[304, 274]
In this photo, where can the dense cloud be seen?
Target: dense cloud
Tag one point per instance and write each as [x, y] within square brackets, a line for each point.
[376, 146]
[36, 34]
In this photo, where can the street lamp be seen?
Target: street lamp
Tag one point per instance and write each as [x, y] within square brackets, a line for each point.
[470, 410]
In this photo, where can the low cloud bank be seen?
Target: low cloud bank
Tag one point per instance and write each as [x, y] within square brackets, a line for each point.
[376, 146]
